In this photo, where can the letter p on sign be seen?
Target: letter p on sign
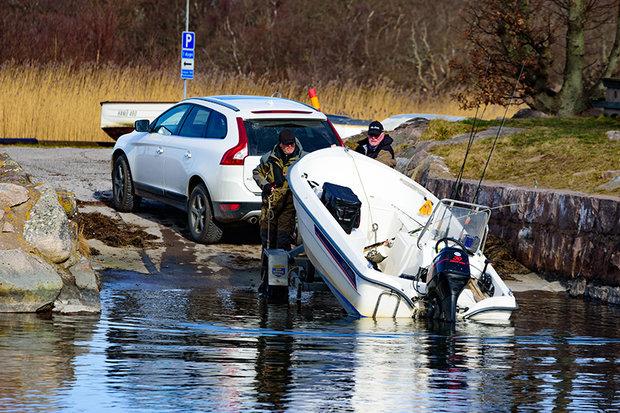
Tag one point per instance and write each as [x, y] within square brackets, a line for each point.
[188, 40]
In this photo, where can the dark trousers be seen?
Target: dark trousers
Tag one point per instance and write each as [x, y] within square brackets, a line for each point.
[277, 232]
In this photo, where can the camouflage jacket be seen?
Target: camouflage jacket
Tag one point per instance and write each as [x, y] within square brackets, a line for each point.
[273, 169]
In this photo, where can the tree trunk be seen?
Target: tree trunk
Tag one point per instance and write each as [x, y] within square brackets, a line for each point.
[571, 100]
[612, 60]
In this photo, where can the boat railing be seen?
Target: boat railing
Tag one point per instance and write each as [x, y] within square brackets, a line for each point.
[391, 291]
[446, 206]
[391, 294]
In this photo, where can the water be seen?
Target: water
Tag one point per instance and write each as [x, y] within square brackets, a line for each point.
[225, 350]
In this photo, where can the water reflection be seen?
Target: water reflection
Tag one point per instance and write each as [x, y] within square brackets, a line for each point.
[225, 349]
[38, 355]
[556, 336]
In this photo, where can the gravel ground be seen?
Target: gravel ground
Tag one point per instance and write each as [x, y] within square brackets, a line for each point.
[83, 171]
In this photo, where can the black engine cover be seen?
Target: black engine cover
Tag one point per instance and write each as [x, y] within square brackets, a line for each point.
[448, 276]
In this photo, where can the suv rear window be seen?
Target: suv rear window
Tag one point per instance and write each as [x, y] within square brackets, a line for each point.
[313, 134]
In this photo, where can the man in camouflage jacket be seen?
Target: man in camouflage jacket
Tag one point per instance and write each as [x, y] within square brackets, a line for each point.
[277, 220]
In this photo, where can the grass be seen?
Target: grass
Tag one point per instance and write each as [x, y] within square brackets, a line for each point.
[439, 130]
[558, 153]
[61, 102]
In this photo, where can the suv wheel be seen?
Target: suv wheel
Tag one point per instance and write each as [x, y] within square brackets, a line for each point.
[202, 226]
[122, 187]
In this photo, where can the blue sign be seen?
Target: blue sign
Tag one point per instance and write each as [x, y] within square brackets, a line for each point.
[278, 270]
[188, 40]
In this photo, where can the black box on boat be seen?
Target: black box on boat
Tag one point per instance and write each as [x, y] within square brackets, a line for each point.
[343, 204]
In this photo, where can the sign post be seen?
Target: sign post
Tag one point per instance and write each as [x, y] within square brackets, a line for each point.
[187, 58]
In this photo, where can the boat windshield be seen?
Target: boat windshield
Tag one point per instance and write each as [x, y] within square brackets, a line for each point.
[461, 221]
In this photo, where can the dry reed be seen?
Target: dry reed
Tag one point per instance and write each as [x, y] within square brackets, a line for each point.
[61, 102]
[83, 245]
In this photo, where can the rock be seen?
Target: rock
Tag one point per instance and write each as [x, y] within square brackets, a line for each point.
[27, 283]
[580, 288]
[85, 276]
[10, 171]
[408, 133]
[599, 293]
[613, 184]
[427, 166]
[613, 135]
[68, 202]
[614, 296]
[592, 112]
[582, 173]
[73, 300]
[47, 228]
[610, 174]
[41, 267]
[529, 113]
[12, 195]
[577, 287]
[491, 132]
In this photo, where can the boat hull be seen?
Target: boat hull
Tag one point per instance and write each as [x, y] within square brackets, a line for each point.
[117, 118]
[357, 294]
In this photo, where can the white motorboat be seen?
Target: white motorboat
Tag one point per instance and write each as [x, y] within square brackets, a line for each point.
[390, 256]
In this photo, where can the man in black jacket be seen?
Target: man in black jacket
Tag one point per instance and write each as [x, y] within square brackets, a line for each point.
[377, 145]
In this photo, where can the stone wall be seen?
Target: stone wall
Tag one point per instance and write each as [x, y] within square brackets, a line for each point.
[570, 235]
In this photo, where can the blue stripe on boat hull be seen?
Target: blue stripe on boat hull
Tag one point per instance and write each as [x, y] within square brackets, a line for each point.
[338, 259]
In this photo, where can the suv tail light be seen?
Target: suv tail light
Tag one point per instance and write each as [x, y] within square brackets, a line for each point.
[236, 154]
[335, 132]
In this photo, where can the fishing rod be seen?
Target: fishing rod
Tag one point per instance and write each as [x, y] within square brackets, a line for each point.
[497, 135]
[454, 193]
[508, 205]
[407, 215]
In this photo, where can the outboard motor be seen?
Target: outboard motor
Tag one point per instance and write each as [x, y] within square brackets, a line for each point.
[448, 276]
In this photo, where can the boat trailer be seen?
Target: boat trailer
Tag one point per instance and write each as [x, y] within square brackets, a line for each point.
[283, 271]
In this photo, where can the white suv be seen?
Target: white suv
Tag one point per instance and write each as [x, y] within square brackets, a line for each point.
[199, 155]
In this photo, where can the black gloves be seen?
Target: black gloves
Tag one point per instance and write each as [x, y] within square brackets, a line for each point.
[268, 189]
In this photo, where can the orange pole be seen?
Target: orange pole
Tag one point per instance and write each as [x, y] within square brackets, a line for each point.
[314, 99]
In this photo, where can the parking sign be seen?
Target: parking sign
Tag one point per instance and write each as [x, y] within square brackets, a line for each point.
[187, 55]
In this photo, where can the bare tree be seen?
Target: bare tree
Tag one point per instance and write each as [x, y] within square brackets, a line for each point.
[405, 43]
[558, 42]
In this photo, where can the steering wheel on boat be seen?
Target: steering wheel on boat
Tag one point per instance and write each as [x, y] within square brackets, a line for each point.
[449, 239]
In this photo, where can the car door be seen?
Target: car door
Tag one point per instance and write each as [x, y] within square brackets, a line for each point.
[179, 152]
[201, 129]
[148, 172]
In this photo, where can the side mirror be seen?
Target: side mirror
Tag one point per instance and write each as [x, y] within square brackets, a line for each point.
[141, 125]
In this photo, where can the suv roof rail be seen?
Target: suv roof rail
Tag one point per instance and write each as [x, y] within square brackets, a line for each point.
[219, 102]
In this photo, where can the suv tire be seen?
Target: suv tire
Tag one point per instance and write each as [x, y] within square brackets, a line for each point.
[123, 196]
[200, 222]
